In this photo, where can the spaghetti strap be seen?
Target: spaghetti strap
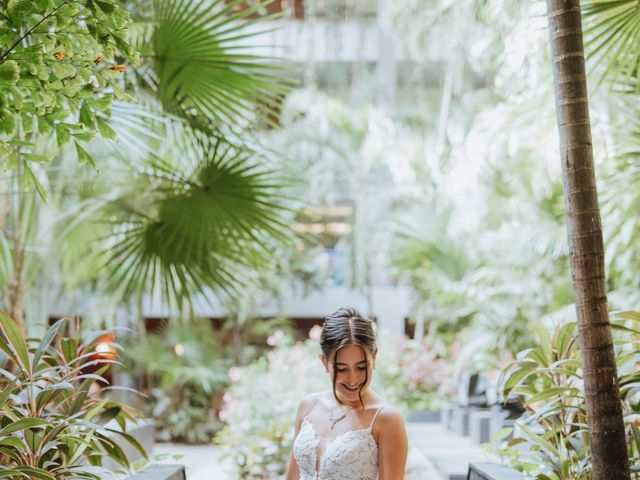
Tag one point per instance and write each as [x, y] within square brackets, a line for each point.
[315, 400]
[375, 416]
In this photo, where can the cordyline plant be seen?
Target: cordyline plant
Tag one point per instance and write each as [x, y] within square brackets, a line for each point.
[53, 423]
[550, 379]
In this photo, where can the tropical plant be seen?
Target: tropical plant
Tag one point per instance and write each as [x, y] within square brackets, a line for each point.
[60, 68]
[349, 163]
[184, 375]
[584, 228]
[60, 63]
[178, 137]
[549, 377]
[611, 33]
[54, 420]
[195, 57]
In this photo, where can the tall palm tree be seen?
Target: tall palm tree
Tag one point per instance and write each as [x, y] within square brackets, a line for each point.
[586, 250]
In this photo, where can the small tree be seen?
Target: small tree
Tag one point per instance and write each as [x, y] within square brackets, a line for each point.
[586, 250]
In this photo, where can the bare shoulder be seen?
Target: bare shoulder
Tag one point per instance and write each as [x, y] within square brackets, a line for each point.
[389, 425]
[390, 416]
[310, 400]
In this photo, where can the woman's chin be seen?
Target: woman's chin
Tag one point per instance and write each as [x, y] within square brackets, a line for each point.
[348, 393]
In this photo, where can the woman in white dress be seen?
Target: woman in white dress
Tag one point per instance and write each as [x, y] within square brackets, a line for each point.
[349, 432]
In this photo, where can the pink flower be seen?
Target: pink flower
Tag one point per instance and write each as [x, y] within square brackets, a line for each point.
[275, 338]
[234, 374]
[315, 332]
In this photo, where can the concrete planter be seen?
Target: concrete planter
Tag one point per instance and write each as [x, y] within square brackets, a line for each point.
[492, 471]
[424, 416]
[160, 472]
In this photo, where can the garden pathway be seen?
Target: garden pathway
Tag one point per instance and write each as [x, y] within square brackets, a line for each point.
[447, 451]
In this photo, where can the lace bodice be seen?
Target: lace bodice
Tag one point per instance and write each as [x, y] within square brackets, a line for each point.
[352, 455]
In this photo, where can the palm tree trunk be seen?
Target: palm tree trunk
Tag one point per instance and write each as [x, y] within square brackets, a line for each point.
[586, 251]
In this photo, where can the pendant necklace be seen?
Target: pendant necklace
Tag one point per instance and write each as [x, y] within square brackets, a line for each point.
[334, 419]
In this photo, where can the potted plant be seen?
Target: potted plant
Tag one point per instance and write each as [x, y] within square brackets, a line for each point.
[53, 420]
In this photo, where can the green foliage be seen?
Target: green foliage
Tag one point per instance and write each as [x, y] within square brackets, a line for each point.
[612, 36]
[233, 215]
[198, 64]
[59, 70]
[185, 374]
[53, 422]
[415, 375]
[549, 378]
[258, 436]
[620, 200]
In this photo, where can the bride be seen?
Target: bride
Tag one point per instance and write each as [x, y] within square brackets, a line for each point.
[350, 432]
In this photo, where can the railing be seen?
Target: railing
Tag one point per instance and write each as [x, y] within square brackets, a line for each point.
[160, 472]
[492, 471]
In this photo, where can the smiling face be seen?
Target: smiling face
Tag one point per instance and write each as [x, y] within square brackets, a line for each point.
[353, 371]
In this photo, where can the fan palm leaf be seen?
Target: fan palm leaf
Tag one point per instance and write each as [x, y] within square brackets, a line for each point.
[621, 200]
[212, 213]
[613, 39]
[200, 66]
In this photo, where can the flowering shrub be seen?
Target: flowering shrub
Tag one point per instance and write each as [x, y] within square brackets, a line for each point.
[413, 376]
[260, 408]
[260, 405]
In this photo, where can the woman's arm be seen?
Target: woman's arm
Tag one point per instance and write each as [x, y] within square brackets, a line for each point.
[392, 444]
[292, 471]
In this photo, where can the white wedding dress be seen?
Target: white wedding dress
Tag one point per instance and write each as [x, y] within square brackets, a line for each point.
[352, 455]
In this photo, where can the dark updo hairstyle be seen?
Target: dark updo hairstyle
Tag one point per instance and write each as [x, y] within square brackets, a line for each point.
[347, 326]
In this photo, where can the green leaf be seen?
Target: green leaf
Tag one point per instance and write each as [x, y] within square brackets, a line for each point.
[11, 472]
[34, 157]
[23, 424]
[13, 442]
[551, 392]
[34, 472]
[48, 394]
[9, 72]
[612, 30]
[83, 156]
[132, 441]
[235, 213]
[628, 315]
[30, 177]
[516, 377]
[86, 116]
[69, 349]
[43, 5]
[105, 6]
[18, 9]
[102, 104]
[8, 123]
[538, 440]
[16, 342]
[8, 390]
[199, 66]
[62, 135]
[46, 341]
[105, 130]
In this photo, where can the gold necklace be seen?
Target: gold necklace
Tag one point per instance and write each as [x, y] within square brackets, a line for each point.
[334, 419]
